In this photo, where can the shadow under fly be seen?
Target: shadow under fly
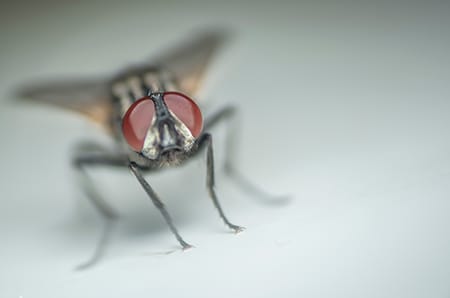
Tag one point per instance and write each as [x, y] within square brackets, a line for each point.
[150, 113]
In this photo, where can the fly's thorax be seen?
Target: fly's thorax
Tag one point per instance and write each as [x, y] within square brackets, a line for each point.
[135, 83]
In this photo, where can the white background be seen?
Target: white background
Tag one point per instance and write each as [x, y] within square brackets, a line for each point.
[346, 108]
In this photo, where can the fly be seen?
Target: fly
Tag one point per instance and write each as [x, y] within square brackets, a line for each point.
[150, 112]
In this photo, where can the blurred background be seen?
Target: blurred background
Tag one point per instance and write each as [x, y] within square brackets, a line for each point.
[345, 107]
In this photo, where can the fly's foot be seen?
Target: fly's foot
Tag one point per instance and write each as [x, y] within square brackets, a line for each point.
[186, 246]
[235, 228]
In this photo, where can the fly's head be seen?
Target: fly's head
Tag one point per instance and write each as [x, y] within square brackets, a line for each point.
[162, 124]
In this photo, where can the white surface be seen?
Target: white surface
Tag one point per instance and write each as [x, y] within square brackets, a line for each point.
[346, 108]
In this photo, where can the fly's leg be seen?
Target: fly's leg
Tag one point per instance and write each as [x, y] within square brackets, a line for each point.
[158, 204]
[81, 161]
[229, 114]
[206, 140]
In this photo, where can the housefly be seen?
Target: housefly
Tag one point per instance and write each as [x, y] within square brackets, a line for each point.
[151, 112]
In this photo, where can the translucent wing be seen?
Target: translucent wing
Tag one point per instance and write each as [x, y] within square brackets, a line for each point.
[88, 97]
[187, 63]
[190, 60]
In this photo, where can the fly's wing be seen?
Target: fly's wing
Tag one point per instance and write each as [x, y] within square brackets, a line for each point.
[189, 62]
[88, 97]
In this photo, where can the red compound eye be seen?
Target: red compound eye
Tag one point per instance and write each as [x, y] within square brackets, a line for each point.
[136, 122]
[186, 110]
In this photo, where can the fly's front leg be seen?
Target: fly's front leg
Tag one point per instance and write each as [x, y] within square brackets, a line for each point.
[206, 140]
[229, 114]
[158, 204]
[226, 114]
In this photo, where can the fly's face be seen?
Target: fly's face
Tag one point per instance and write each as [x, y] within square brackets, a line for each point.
[162, 123]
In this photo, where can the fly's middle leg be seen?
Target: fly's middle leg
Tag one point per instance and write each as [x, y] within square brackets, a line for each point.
[90, 155]
[84, 160]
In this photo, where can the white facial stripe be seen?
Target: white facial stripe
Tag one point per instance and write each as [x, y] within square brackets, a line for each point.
[167, 138]
[181, 128]
[152, 139]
